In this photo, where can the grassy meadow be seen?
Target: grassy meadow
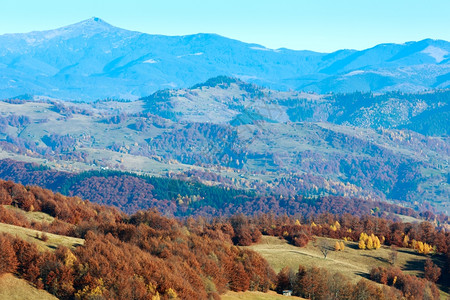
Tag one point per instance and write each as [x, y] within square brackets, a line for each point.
[352, 262]
[271, 295]
[31, 236]
[13, 288]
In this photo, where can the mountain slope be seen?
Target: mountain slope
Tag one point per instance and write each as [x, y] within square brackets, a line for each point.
[15, 288]
[234, 134]
[122, 256]
[93, 59]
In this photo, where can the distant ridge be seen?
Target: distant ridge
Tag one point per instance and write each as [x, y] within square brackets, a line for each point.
[93, 59]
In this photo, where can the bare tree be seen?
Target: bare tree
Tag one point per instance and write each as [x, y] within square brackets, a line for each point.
[324, 247]
[393, 255]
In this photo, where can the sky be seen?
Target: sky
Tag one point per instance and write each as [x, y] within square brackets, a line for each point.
[318, 25]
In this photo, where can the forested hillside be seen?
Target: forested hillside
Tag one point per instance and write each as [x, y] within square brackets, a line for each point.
[182, 198]
[123, 257]
[147, 255]
[232, 134]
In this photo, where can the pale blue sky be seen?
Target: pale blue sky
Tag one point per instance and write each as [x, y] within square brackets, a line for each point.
[320, 25]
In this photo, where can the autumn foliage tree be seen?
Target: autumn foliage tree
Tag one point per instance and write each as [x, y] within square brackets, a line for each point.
[8, 259]
[318, 283]
[284, 280]
[337, 246]
[411, 286]
[369, 242]
[431, 271]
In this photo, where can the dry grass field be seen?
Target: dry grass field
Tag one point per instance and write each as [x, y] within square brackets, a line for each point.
[271, 295]
[13, 288]
[36, 216]
[29, 235]
[352, 262]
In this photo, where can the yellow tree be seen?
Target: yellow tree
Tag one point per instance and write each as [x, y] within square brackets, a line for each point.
[337, 246]
[363, 236]
[337, 225]
[427, 248]
[376, 243]
[420, 247]
[342, 246]
[362, 244]
[369, 244]
[406, 241]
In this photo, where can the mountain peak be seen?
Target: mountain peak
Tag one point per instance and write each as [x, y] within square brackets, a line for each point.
[94, 21]
[86, 28]
[91, 24]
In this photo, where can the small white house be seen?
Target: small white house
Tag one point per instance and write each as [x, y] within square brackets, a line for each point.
[287, 293]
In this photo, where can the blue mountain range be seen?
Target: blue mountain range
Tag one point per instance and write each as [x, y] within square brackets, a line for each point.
[95, 60]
